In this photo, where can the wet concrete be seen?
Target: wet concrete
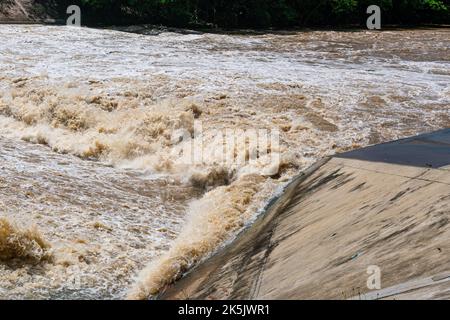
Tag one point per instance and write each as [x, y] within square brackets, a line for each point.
[332, 223]
[427, 150]
[119, 98]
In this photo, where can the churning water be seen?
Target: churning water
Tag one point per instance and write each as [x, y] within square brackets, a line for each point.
[95, 201]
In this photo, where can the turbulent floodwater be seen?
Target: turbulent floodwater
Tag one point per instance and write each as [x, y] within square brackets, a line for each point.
[95, 198]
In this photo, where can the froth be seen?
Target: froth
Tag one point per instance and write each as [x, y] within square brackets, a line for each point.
[22, 245]
[132, 106]
[211, 221]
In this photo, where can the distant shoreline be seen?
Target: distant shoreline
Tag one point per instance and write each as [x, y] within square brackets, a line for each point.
[259, 18]
[156, 29]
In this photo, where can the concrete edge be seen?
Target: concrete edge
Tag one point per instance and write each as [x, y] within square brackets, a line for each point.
[271, 211]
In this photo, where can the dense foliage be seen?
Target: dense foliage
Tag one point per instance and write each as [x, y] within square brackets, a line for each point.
[261, 13]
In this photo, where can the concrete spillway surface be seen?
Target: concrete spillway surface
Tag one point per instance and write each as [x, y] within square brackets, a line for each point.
[386, 206]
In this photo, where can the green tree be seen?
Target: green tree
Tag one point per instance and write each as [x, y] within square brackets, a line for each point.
[259, 13]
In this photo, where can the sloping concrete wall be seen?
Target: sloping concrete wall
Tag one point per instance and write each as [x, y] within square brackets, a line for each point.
[333, 222]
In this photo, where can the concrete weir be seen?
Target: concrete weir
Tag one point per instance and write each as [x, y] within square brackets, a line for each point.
[383, 210]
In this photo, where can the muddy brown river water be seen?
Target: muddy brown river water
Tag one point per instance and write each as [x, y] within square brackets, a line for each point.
[95, 199]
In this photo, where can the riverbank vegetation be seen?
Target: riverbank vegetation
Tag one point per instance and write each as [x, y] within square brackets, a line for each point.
[260, 13]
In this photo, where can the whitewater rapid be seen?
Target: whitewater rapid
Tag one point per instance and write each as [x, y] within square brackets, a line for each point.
[90, 155]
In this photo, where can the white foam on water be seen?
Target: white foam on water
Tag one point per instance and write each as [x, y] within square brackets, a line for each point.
[108, 190]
